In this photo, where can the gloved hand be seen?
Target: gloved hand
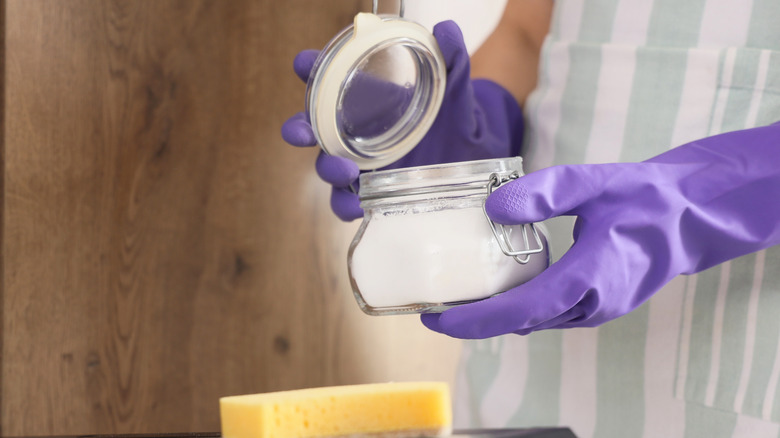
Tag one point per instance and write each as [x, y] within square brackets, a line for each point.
[639, 225]
[478, 119]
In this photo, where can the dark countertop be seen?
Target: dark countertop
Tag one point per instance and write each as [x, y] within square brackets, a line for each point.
[475, 433]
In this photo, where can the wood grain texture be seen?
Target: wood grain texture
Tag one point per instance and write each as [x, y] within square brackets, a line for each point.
[162, 246]
[2, 204]
[155, 250]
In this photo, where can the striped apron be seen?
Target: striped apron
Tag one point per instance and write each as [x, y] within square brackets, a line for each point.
[625, 80]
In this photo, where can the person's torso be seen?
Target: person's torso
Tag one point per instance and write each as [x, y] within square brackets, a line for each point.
[625, 81]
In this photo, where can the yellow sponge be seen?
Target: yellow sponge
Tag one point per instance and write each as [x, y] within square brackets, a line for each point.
[383, 409]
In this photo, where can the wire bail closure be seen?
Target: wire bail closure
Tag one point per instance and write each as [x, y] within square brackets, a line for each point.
[522, 256]
[400, 10]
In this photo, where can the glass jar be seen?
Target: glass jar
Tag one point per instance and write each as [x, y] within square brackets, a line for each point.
[426, 244]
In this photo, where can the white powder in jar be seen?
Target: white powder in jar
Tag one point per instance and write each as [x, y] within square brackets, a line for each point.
[436, 257]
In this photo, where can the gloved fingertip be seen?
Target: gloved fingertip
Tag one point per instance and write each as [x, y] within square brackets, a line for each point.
[297, 132]
[303, 63]
[509, 205]
[447, 33]
[451, 43]
[554, 191]
[431, 321]
[463, 323]
[336, 171]
[345, 204]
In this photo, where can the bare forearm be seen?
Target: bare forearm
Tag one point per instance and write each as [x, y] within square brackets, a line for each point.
[510, 56]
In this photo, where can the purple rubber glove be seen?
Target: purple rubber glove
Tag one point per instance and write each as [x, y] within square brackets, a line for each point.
[478, 119]
[639, 225]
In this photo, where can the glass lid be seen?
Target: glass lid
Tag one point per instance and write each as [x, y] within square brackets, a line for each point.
[375, 90]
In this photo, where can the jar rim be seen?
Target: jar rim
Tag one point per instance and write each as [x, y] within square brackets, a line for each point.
[456, 177]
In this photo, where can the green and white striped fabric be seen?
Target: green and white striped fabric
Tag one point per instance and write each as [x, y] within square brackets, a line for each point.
[625, 80]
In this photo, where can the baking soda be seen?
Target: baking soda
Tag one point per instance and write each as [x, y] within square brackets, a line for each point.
[437, 257]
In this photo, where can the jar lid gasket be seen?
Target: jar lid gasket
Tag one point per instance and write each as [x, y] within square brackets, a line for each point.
[375, 90]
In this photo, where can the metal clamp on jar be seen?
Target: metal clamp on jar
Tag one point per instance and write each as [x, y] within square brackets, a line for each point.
[425, 243]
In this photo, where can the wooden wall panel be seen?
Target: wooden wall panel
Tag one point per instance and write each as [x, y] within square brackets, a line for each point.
[162, 246]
